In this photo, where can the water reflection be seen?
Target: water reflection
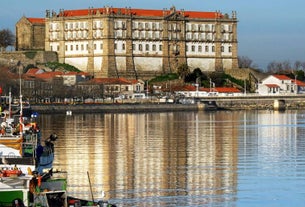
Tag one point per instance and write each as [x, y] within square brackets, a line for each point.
[175, 159]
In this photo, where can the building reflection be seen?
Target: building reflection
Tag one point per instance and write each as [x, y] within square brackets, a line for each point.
[149, 156]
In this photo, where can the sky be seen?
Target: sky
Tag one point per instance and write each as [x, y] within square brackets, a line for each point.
[268, 30]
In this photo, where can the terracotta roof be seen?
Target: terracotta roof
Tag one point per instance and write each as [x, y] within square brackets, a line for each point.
[272, 86]
[36, 20]
[227, 90]
[184, 88]
[282, 77]
[217, 89]
[112, 81]
[140, 12]
[48, 75]
[32, 71]
[299, 83]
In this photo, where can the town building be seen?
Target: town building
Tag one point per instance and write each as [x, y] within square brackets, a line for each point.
[30, 34]
[141, 43]
[280, 85]
[194, 91]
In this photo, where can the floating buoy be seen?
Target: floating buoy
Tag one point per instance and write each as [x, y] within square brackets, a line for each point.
[69, 113]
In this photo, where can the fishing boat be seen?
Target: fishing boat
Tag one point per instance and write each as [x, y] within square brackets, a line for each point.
[27, 177]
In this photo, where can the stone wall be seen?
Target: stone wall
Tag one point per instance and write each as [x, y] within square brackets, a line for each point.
[27, 57]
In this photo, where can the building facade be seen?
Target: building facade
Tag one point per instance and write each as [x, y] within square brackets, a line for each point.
[280, 85]
[138, 43]
[30, 34]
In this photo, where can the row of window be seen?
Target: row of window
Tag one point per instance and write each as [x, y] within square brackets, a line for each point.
[143, 35]
[144, 47]
[200, 48]
[143, 25]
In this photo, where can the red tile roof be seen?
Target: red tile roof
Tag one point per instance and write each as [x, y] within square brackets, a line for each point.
[217, 89]
[48, 75]
[36, 20]
[141, 12]
[32, 71]
[299, 83]
[272, 86]
[282, 77]
[227, 90]
[121, 81]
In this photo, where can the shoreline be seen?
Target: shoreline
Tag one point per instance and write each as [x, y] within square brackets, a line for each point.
[162, 107]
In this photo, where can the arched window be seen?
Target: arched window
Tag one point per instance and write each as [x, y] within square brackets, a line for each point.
[206, 48]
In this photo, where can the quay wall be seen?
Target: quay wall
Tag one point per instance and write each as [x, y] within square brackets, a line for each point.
[112, 108]
[243, 104]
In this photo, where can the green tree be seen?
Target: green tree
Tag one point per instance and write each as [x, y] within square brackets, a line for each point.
[7, 38]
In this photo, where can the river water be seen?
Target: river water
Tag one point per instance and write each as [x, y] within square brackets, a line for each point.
[221, 158]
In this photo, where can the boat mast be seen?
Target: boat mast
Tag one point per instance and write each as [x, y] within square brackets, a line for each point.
[9, 104]
[20, 100]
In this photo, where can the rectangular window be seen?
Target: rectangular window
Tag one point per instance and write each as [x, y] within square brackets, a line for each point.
[71, 47]
[199, 48]
[147, 47]
[101, 46]
[160, 47]
[193, 48]
[82, 47]
[154, 47]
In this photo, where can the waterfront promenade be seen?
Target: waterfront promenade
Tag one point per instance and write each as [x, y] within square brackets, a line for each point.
[247, 102]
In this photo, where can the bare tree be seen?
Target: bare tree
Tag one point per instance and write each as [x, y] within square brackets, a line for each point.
[303, 65]
[244, 62]
[272, 67]
[297, 65]
[7, 38]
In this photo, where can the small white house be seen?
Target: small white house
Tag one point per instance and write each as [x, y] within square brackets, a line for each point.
[277, 84]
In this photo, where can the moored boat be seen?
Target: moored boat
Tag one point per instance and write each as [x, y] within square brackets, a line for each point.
[27, 177]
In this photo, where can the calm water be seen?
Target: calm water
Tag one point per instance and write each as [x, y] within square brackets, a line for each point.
[240, 158]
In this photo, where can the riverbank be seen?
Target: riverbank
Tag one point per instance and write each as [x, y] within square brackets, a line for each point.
[114, 108]
[245, 104]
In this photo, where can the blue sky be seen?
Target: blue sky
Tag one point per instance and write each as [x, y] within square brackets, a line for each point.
[268, 30]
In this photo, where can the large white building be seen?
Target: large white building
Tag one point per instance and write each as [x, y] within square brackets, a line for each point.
[139, 43]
